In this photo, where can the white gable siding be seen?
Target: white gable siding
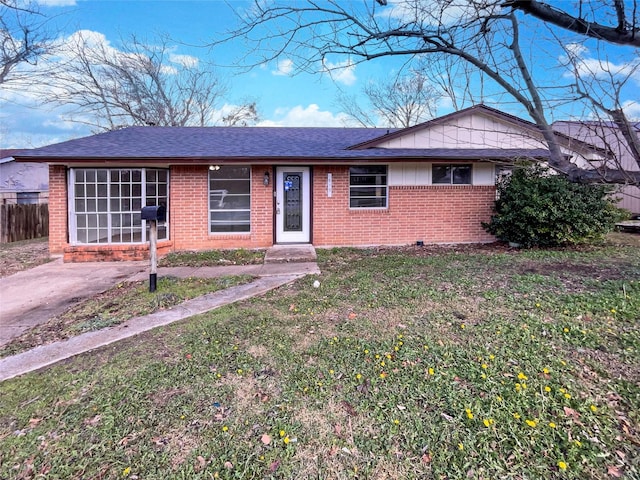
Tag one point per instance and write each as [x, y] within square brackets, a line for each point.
[412, 174]
[473, 131]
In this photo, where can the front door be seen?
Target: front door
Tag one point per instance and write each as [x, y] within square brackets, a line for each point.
[293, 205]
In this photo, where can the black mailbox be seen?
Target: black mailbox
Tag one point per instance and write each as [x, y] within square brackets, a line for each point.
[154, 212]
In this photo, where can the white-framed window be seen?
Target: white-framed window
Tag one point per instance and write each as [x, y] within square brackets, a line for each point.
[451, 174]
[105, 203]
[368, 186]
[230, 199]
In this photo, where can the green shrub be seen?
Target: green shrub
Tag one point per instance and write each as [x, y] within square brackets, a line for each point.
[535, 208]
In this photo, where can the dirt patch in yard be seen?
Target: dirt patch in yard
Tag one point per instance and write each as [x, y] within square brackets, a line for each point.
[18, 256]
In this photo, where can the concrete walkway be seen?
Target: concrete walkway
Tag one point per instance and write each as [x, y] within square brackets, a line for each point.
[56, 283]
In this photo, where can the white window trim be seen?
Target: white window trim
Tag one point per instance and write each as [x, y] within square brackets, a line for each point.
[73, 230]
[209, 209]
[386, 186]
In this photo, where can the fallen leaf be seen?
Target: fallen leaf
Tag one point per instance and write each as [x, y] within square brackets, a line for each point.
[228, 465]
[292, 307]
[274, 466]
[614, 471]
[570, 412]
[93, 421]
[352, 316]
[266, 439]
[426, 458]
[201, 463]
[337, 429]
[34, 422]
[349, 408]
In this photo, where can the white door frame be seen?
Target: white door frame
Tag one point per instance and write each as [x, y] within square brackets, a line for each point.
[296, 227]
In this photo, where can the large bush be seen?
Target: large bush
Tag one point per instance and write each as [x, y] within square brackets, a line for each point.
[535, 208]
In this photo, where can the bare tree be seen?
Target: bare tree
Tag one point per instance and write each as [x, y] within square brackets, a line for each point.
[24, 38]
[242, 115]
[624, 29]
[137, 84]
[482, 37]
[403, 102]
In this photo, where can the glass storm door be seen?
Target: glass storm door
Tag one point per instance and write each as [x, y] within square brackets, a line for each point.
[293, 205]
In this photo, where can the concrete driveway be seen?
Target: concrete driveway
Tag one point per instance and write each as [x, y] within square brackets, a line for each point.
[32, 297]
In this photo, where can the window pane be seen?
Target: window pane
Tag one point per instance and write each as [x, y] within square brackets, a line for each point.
[368, 186]
[113, 213]
[441, 174]
[230, 199]
[462, 175]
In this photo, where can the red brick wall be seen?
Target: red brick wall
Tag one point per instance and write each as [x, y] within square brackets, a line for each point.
[189, 212]
[433, 214]
[58, 216]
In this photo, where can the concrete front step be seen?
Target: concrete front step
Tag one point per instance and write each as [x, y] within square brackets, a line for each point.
[290, 254]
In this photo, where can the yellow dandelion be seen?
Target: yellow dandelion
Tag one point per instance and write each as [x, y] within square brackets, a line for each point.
[552, 425]
[460, 446]
[383, 375]
[286, 440]
[462, 326]
[126, 472]
[593, 408]
[487, 422]
[282, 433]
[484, 376]
[331, 372]
[531, 423]
[578, 443]
[382, 363]
[396, 422]
[499, 398]
[358, 376]
[492, 357]
[565, 330]
[366, 351]
[567, 396]
[613, 310]
[431, 371]
[522, 376]
[562, 465]
[485, 366]
[469, 414]
[547, 388]
[516, 416]
[225, 428]
[545, 370]
[239, 371]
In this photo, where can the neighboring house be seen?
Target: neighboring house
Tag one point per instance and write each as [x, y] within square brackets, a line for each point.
[606, 135]
[252, 187]
[22, 182]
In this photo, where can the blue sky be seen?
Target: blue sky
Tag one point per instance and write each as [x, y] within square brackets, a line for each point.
[282, 98]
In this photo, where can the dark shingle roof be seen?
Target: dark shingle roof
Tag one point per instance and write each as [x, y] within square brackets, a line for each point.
[251, 143]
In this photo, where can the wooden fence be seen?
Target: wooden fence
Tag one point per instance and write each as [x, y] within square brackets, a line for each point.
[23, 222]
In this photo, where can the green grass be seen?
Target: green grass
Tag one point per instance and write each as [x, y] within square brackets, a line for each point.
[411, 363]
[117, 305]
[213, 258]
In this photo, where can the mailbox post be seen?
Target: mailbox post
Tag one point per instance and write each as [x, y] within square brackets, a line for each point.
[153, 214]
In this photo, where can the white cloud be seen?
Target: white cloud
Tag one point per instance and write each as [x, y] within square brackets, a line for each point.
[283, 68]
[587, 66]
[341, 72]
[187, 61]
[435, 12]
[632, 109]
[310, 116]
[57, 3]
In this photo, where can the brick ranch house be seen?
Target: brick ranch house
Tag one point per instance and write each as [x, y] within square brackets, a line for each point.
[253, 187]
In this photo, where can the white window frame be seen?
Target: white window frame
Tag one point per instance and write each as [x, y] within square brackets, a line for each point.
[385, 186]
[222, 193]
[163, 229]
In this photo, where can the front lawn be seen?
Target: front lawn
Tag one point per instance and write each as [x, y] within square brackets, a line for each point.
[404, 363]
